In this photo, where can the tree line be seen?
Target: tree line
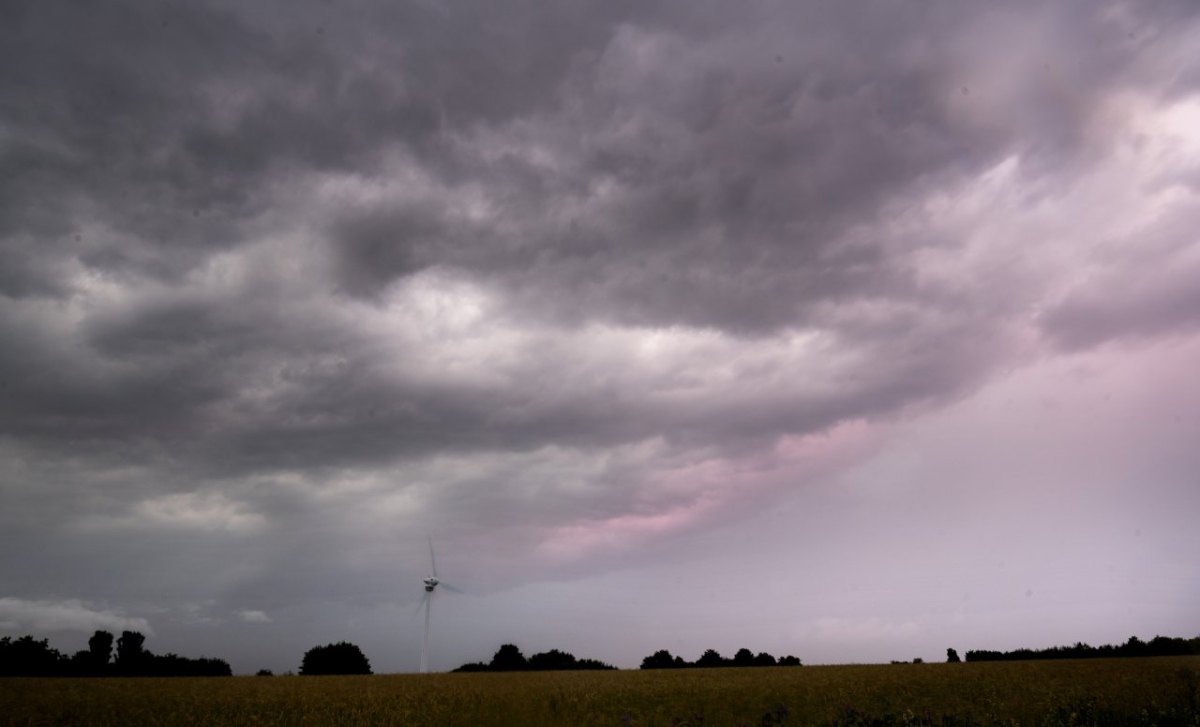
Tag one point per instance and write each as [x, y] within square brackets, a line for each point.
[1158, 646]
[712, 658]
[27, 656]
[509, 658]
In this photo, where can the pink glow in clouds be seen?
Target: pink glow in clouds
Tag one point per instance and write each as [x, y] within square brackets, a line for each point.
[867, 329]
[713, 488]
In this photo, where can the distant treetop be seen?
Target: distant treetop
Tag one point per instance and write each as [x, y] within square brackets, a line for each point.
[340, 658]
[711, 658]
[510, 658]
[27, 656]
[1158, 646]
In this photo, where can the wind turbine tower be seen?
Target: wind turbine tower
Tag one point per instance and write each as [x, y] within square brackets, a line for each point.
[427, 600]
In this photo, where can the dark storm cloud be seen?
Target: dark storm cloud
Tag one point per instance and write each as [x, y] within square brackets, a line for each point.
[513, 266]
[168, 124]
[682, 168]
[711, 182]
[677, 165]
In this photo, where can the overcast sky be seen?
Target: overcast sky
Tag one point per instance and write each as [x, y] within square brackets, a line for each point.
[854, 331]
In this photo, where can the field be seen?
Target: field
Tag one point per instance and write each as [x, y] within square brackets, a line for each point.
[1151, 691]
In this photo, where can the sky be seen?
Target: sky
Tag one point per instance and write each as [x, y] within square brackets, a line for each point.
[853, 331]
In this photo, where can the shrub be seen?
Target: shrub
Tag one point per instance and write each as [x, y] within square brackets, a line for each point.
[339, 658]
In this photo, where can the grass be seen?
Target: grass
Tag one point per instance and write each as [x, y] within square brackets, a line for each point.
[1155, 691]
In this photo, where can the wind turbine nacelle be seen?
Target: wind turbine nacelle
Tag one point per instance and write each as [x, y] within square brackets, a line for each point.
[430, 584]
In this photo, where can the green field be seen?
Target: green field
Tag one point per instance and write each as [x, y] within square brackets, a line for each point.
[1150, 691]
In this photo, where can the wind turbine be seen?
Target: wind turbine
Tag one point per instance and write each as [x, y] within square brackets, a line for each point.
[431, 583]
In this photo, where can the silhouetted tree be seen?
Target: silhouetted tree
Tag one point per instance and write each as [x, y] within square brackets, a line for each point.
[132, 658]
[711, 658]
[508, 658]
[130, 645]
[551, 660]
[743, 657]
[952, 657]
[1165, 646]
[1134, 647]
[764, 659]
[339, 658]
[100, 648]
[592, 664]
[94, 661]
[174, 665]
[661, 659]
[474, 666]
[81, 665]
[555, 660]
[29, 657]
[1158, 646]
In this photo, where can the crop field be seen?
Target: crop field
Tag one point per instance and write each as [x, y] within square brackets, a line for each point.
[1151, 691]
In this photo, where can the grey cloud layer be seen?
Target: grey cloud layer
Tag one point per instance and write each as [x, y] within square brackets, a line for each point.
[247, 250]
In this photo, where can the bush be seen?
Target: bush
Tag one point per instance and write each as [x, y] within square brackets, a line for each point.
[339, 658]
[509, 658]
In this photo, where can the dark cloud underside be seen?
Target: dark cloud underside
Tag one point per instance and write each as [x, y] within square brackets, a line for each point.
[286, 274]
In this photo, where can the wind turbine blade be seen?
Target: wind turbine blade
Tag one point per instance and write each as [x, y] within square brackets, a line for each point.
[432, 562]
[452, 589]
[420, 604]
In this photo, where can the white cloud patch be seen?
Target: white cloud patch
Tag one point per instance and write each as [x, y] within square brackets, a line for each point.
[200, 511]
[254, 617]
[18, 614]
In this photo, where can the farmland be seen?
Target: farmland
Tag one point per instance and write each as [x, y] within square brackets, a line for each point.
[1163, 691]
